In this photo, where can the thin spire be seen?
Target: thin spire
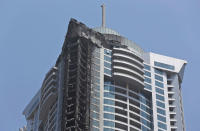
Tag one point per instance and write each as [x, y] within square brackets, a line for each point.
[103, 16]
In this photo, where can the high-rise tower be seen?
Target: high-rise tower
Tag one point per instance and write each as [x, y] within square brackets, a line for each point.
[104, 82]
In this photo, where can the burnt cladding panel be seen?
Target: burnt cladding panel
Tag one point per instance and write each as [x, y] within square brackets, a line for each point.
[77, 55]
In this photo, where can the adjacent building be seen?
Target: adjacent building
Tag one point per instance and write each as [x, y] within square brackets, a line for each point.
[102, 81]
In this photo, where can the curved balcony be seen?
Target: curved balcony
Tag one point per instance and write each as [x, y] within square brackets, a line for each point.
[128, 71]
[48, 92]
[127, 58]
[45, 104]
[128, 52]
[128, 67]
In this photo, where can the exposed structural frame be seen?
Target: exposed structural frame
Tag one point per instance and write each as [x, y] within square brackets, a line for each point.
[77, 57]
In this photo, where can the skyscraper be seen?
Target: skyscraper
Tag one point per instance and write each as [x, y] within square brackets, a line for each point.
[104, 82]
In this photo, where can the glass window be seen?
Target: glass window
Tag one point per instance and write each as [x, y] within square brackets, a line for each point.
[147, 80]
[95, 123]
[95, 101]
[107, 71]
[166, 66]
[95, 107]
[109, 123]
[109, 116]
[146, 73]
[158, 78]
[107, 52]
[96, 73]
[109, 109]
[95, 115]
[145, 115]
[159, 84]
[146, 109]
[96, 80]
[147, 86]
[95, 67]
[109, 95]
[108, 129]
[160, 104]
[97, 54]
[107, 82]
[143, 129]
[159, 97]
[161, 125]
[95, 129]
[158, 90]
[108, 65]
[145, 122]
[161, 118]
[158, 71]
[109, 88]
[96, 61]
[97, 87]
[147, 67]
[161, 111]
[107, 58]
[109, 102]
[96, 94]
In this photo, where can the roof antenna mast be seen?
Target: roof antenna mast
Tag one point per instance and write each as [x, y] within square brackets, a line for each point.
[103, 16]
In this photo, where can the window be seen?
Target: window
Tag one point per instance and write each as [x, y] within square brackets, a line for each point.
[147, 67]
[160, 91]
[96, 80]
[146, 73]
[97, 87]
[108, 65]
[161, 125]
[95, 67]
[108, 129]
[158, 78]
[162, 65]
[146, 109]
[109, 109]
[95, 101]
[159, 84]
[147, 80]
[109, 123]
[95, 115]
[145, 115]
[107, 58]
[96, 61]
[109, 102]
[160, 104]
[95, 129]
[107, 71]
[107, 52]
[158, 71]
[109, 88]
[147, 86]
[109, 116]
[95, 123]
[95, 108]
[159, 97]
[161, 111]
[109, 95]
[145, 122]
[161, 118]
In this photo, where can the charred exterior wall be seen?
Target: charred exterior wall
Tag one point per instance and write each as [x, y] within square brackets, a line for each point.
[77, 57]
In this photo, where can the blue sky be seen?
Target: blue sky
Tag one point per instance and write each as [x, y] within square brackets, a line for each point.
[32, 33]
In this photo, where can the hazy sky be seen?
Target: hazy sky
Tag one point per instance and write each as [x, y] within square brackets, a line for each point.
[32, 33]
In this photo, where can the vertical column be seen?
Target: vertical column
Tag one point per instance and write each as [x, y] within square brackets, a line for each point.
[101, 88]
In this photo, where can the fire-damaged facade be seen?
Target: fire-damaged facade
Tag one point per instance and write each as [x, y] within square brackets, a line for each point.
[104, 82]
